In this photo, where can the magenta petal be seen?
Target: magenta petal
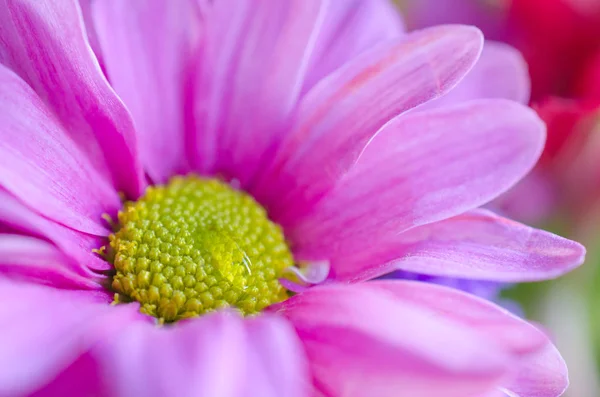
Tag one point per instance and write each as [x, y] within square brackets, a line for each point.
[44, 42]
[476, 245]
[361, 340]
[42, 167]
[422, 167]
[350, 28]
[81, 378]
[26, 257]
[501, 72]
[216, 355]
[44, 330]
[148, 49]
[344, 111]
[255, 59]
[76, 245]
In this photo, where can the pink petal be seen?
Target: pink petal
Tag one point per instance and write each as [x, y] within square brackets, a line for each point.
[500, 72]
[361, 340]
[255, 60]
[92, 36]
[276, 364]
[44, 42]
[540, 372]
[475, 245]
[26, 257]
[78, 246]
[543, 374]
[216, 355]
[44, 330]
[350, 28]
[482, 245]
[496, 393]
[515, 335]
[42, 167]
[345, 110]
[148, 50]
[421, 168]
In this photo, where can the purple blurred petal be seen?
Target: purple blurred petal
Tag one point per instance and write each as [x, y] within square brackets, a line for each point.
[484, 289]
[489, 16]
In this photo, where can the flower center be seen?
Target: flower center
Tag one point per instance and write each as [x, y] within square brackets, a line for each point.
[195, 245]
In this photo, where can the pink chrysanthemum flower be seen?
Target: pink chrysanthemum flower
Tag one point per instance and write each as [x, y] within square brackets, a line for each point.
[255, 120]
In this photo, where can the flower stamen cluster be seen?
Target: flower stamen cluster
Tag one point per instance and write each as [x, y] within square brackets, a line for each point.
[195, 245]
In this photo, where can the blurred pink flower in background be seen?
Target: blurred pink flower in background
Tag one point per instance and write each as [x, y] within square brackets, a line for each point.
[337, 123]
[560, 42]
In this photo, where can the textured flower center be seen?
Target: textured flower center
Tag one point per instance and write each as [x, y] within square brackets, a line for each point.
[195, 245]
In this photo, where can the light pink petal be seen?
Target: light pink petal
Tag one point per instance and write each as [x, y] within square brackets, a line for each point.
[421, 168]
[361, 340]
[76, 245]
[255, 59]
[345, 110]
[88, 22]
[540, 372]
[43, 167]
[543, 374]
[475, 245]
[482, 245]
[500, 72]
[216, 355]
[149, 50]
[514, 334]
[495, 393]
[44, 42]
[44, 330]
[26, 257]
[350, 28]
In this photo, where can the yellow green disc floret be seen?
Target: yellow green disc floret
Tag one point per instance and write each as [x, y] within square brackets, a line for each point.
[195, 245]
